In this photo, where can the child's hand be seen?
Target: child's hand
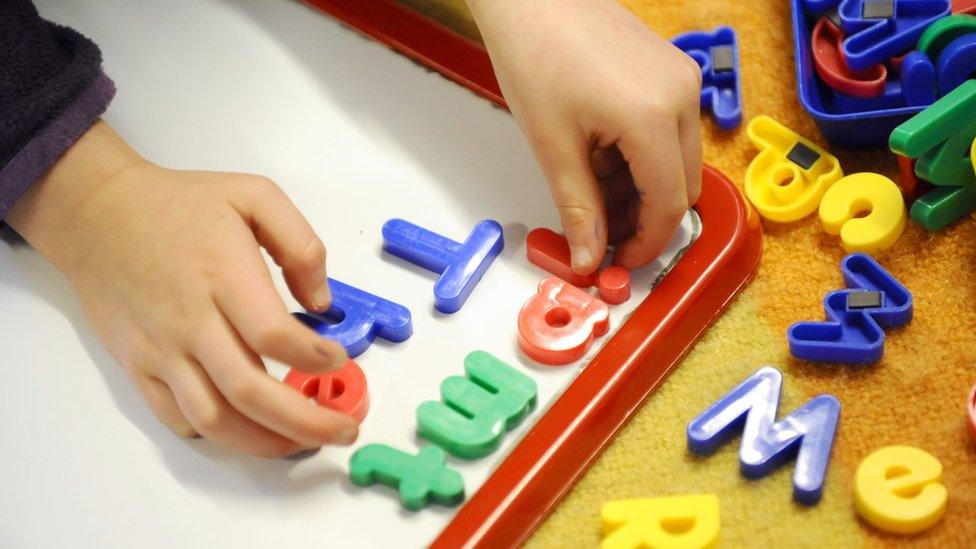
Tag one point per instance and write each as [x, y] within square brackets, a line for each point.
[168, 267]
[611, 111]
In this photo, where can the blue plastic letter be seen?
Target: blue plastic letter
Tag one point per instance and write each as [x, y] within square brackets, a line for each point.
[872, 40]
[854, 334]
[358, 318]
[956, 63]
[720, 91]
[918, 80]
[461, 266]
[807, 433]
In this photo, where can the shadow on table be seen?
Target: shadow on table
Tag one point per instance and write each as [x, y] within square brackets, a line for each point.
[382, 92]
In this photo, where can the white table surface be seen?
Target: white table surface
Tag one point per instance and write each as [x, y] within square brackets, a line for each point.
[355, 135]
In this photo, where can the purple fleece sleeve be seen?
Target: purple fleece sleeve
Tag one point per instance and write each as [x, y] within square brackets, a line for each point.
[52, 89]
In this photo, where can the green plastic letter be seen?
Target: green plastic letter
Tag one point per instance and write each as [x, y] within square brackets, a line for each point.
[940, 138]
[420, 479]
[477, 409]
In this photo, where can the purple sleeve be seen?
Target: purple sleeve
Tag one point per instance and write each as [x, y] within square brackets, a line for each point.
[52, 89]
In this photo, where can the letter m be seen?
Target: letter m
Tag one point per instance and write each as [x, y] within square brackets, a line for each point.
[807, 433]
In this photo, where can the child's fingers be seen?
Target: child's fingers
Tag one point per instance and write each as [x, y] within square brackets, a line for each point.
[565, 160]
[163, 404]
[617, 190]
[607, 161]
[241, 378]
[689, 128]
[247, 297]
[285, 233]
[655, 159]
[621, 221]
[215, 419]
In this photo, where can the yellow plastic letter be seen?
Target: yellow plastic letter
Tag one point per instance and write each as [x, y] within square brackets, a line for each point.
[898, 489]
[786, 180]
[866, 210]
[677, 521]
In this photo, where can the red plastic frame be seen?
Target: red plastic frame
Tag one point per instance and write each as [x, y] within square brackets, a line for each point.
[421, 39]
[971, 409]
[564, 442]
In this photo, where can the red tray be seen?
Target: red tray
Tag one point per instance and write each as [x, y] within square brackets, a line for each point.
[569, 437]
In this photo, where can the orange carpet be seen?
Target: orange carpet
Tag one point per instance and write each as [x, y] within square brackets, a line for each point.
[915, 396]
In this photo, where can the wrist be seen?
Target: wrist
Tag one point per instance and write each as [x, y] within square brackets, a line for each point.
[47, 213]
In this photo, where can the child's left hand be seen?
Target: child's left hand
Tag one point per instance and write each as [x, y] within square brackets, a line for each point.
[611, 111]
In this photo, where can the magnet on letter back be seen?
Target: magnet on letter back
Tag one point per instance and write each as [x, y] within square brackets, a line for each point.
[558, 324]
[786, 180]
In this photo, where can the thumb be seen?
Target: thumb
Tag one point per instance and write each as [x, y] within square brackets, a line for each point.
[576, 194]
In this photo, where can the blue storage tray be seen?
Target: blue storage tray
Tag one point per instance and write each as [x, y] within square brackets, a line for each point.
[868, 128]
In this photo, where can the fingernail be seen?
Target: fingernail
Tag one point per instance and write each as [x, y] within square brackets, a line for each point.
[347, 436]
[580, 255]
[321, 299]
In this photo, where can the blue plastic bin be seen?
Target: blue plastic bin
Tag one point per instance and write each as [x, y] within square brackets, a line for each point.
[868, 128]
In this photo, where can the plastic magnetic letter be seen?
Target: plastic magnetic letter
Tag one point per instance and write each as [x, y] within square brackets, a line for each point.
[356, 318]
[478, 409]
[343, 390]
[829, 62]
[874, 37]
[909, 183]
[939, 138]
[918, 80]
[614, 285]
[854, 335]
[557, 325]
[786, 180]
[956, 63]
[875, 197]
[950, 42]
[943, 32]
[420, 479]
[675, 521]
[461, 266]
[766, 443]
[550, 250]
[899, 489]
[717, 54]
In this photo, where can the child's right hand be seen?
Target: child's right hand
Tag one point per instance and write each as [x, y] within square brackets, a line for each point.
[611, 111]
[168, 267]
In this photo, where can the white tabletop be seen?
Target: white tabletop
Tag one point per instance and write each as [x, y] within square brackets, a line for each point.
[355, 135]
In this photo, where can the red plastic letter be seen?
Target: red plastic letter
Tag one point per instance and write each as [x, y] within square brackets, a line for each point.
[614, 285]
[557, 325]
[832, 68]
[549, 250]
[343, 390]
